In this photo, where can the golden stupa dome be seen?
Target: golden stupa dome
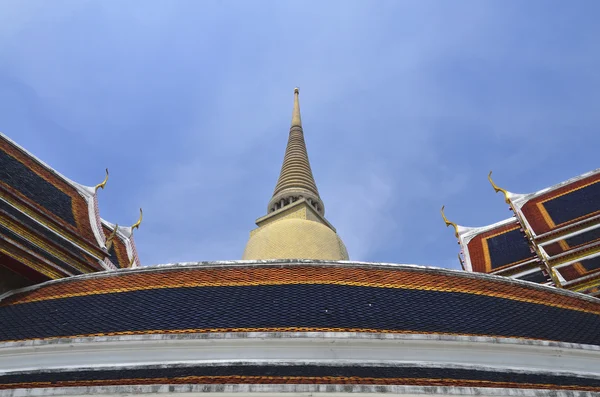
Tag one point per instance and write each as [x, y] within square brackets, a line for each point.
[295, 226]
[296, 236]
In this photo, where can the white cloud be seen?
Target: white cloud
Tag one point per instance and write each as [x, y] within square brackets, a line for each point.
[361, 204]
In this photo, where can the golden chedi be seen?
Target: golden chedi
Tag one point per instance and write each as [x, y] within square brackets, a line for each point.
[295, 226]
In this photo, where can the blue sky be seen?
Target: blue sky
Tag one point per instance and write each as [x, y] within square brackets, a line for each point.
[406, 106]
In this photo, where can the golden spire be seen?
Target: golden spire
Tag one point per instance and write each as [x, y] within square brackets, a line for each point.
[296, 179]
[295, 226]
[296, 120]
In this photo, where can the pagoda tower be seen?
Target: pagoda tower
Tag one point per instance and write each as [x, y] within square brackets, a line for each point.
[295, 226]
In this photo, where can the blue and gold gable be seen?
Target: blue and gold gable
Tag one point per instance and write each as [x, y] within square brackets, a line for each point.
[553, 237]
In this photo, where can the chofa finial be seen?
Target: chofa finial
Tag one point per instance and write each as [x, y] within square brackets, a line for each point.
[498, 189]
[138, 223]
[136, 226]
[555, 276]
[101, 185]
[111, 237]
[448, 223]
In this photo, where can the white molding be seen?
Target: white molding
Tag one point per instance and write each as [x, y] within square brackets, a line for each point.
[94, 220]
[579, 259]
[286, 390]
[466, 234]
[560, 236]
[526, 272]
[518, 265]
[166, 349]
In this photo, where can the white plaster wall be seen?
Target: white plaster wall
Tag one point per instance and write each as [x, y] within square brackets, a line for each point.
[289, 348]
[286, 391]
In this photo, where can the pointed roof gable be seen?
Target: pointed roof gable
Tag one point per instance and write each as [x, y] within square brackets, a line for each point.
[554, 236]
[70, 204]
[121, 246]
[562, 206]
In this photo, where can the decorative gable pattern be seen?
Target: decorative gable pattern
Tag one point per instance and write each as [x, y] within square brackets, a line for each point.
[501, 248]
[560, 229]
[495, 247]
[121, 247]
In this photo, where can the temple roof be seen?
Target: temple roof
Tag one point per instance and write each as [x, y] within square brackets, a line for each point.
[291, 296]
[120, 244]
[497, 247]
[50, 226]
[297, 326]
[553, 237]
[70, 204]
[519, 199]
[560, 207]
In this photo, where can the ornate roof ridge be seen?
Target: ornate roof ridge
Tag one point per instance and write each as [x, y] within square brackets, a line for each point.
[125, 234]
[468, 232]
[519, 199]
[304, 262]
[86, 191]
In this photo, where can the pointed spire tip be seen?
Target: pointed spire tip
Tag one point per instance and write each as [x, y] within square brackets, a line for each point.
[296, 120]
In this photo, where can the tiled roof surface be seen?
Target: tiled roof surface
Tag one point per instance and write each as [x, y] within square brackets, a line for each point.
[583, 270]
[68, 247]
[565, 205]
[55, 256]
[591, 264]
[579, 240]
[43, 194]
[497, 248]
[572, 272]
[255, 373]
[536, 277]
[298, 297]
[117, 252]
[42, 254]
[21, 178]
